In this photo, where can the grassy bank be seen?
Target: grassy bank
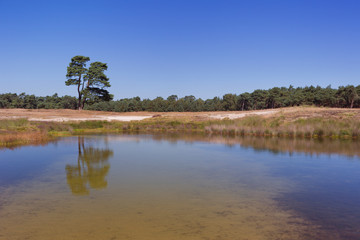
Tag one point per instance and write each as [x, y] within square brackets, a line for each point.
[342, 126]
[22, 132]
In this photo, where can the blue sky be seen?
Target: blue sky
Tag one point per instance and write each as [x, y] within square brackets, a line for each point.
[203, 48]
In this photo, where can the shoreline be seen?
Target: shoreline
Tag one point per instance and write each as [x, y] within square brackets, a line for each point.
[298, 122]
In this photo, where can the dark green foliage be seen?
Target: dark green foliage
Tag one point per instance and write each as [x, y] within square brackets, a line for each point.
[100, 100]
[76, 69]
[347, 95]
[12, 100]
[75, 75]
[96, 82]
[91, 83]
[229, 102]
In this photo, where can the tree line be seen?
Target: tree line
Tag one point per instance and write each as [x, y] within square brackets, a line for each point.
[342, 97]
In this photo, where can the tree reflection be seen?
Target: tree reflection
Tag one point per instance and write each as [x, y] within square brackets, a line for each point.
[91, 169]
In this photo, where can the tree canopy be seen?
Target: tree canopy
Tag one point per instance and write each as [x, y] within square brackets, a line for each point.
[342, 97]
[91, 82]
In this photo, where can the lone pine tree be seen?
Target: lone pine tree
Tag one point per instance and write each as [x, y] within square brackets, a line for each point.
[91, 82]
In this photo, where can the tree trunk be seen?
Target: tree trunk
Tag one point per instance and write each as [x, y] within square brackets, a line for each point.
[352, 103]
[79, 92]
[83, 103]
[79, 102]
[84, 97]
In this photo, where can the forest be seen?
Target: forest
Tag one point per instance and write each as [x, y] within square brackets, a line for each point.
[342, 97]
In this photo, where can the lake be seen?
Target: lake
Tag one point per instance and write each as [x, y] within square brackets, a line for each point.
[180, 187]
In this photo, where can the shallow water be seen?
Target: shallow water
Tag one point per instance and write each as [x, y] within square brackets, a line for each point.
[166, 187]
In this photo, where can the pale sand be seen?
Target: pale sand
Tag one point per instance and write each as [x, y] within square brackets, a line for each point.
[52, 115]
[97, 118]
[64, 115]
[241, 115]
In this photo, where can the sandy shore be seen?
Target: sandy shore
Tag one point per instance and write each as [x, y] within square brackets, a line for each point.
[243, 114]
[97, 118]
[65, 115]
[55, 115]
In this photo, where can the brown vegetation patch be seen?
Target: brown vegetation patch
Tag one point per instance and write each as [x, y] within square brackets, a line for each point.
[10, 140]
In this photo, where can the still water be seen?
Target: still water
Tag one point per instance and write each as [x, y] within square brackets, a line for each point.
[177, 187]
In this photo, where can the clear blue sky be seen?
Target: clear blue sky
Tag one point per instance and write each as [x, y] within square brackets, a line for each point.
[204, 48]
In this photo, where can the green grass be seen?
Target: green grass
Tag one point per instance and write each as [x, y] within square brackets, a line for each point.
[14, 124]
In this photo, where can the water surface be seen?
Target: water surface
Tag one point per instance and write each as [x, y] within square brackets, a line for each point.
[180, 187]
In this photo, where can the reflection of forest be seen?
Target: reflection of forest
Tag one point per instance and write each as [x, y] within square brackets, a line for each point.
[273, 144]
[91, 169]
